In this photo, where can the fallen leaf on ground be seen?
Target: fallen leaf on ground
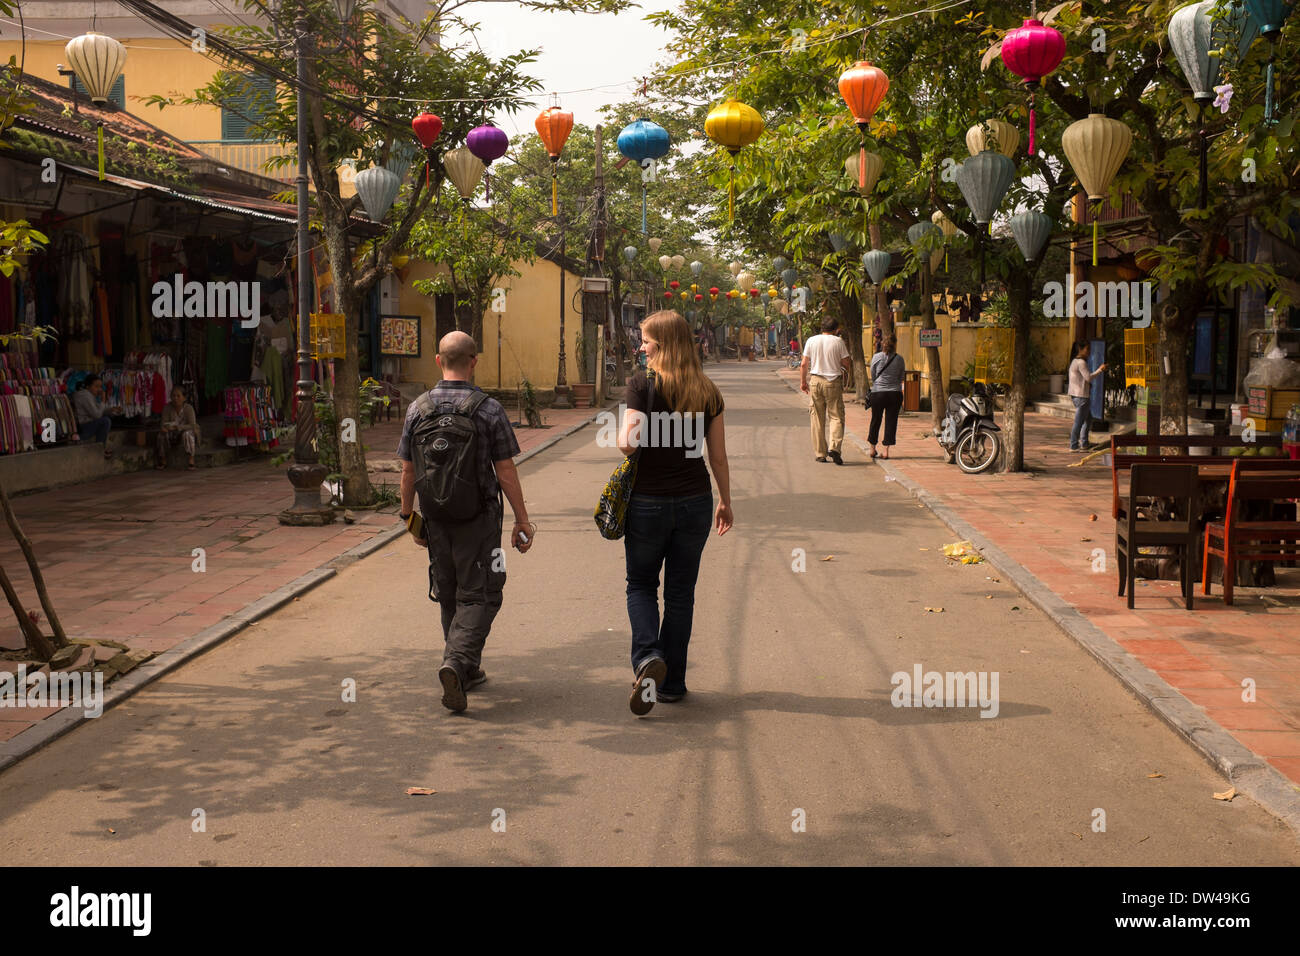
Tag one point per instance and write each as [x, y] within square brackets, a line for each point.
[963, 550]
[1227, 794]
[111, 830]
[923, 549]
[988, 597]
[997, 580]
[1092, 517]
[1085, 539]
[936, 610]
[419, 791]
[1152, 776]
[1145, 838]
[1073, 834]
[829, 557]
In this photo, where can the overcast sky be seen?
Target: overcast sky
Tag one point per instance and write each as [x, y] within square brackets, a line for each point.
[579, 52]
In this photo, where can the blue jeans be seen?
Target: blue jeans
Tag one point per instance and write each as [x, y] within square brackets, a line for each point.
[669, 533]
[98, 429]
[1082, 420]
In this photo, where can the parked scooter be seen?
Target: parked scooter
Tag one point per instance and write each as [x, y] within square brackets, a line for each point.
[968, 433]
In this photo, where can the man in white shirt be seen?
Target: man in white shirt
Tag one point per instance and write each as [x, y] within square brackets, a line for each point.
[826, 359]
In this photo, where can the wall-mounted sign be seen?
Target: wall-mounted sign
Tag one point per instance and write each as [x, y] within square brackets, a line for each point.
[399, 336]
[931, 338]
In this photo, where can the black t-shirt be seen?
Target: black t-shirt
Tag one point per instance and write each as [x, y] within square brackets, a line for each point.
[672, 445]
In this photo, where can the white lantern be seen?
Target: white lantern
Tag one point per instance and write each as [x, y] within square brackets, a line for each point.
[97, 60]
[465, 170]
[377, 187]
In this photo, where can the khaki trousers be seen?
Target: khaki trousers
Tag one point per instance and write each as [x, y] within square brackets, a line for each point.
[827, 399]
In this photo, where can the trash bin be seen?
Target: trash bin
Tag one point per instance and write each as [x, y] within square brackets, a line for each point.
[911, 391]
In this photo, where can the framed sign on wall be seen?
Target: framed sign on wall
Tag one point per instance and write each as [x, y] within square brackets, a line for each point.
[399, 336]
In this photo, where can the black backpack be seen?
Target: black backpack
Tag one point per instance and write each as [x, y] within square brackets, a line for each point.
[445, 454]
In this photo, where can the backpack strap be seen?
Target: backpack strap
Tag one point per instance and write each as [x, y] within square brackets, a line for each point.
[471, 403]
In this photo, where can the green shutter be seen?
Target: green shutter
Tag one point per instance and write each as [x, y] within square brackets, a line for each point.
[239, 117]
[116, 96]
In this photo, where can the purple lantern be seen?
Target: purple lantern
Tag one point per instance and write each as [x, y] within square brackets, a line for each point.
[487, 142]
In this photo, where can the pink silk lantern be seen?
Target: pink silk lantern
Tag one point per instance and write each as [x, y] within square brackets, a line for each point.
[1031, 52]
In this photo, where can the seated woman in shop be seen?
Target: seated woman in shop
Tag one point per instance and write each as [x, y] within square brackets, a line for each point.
[179, 424]
[91, 412]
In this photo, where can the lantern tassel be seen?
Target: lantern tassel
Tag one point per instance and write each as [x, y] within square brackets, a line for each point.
[555, 195]
[99, 136]
[1268, 93]
[1033, 123]
[945, 259]
[1094, 239]
[731, 195]
[487, 186]
[1205, 185]
[643, 227]
[862, 167]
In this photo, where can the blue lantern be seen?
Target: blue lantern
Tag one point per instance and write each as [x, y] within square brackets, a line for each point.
[1269, 14]
[643, 142]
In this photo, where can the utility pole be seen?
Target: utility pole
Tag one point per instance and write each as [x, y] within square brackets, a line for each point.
[562, 399]
[595, 305]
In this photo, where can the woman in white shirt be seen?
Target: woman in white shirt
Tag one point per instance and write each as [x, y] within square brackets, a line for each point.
[1080, 391]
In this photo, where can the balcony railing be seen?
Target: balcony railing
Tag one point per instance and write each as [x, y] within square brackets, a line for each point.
[249, 156]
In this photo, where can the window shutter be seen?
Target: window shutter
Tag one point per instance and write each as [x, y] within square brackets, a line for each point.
[239, 118]
[116, 96]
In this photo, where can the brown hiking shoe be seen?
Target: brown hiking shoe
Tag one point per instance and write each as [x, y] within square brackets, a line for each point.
[649, 676]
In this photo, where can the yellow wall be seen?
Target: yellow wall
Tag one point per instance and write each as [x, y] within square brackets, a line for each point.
[153, 65]
[530, 328]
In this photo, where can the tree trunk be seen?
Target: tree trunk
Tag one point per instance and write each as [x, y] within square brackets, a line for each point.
[60, 638]
[37, 644]
[1013, 422]
[352, 459]
[851, 321]
[933, 364]
[1175, 326]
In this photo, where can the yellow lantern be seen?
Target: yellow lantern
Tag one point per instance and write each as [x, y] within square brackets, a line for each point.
[949, 229]
[1007, 136]
[734, 126]
[865, 167]
[684, 295]
[1096, 148]
[772, 293]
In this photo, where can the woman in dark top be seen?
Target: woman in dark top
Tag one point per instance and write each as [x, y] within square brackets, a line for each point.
[887, 368]
[671, 510]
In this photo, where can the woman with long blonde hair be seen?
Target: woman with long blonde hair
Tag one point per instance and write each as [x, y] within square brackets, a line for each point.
[672, 508]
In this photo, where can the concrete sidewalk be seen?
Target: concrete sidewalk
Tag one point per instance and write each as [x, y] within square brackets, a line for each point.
[120, 563]
[1048, 521]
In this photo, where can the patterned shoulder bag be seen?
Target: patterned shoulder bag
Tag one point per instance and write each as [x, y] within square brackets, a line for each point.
[611, 509]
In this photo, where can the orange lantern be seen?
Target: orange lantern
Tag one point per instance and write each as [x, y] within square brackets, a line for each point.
[863, 86]
[554, 126]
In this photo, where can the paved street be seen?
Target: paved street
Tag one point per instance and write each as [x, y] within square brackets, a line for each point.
[789, 715]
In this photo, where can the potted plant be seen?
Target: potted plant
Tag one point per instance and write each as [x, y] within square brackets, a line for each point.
[584, 392]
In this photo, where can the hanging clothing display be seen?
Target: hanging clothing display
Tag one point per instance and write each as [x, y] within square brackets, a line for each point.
[30, 397]
[130, 389]
[251, 418]
[72, 271]
[160, 363]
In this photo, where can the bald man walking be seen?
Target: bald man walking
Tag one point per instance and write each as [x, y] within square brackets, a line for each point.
[467, 573]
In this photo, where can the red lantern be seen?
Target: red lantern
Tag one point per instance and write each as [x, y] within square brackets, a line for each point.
[753, 293]
[713, 290]
[427, 127]
[668, 295]
[699, 297]
[863, 86]
[1031, 52]
[674, 284]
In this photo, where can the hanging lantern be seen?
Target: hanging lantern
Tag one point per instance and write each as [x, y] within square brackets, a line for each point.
[488, 143]
[97, 60]
[665, 262]
[780, 263]
[427, 128]
[918, 231]
[684, 295]
[643, 142]
[1197, 38]
[1269, 15]
[877, 262]
[674, 285]
[863, 86]
[735, 267]
[668, 296]
[745, 281]
[465, 170]
[400, 154]
[981, 136]
[679, 262]
[695, 287]
[734, 126]
[788, 276]
[1031, 231]
[629, 252]
[1096, 148]
[697, 267]
[1032, 51]
[713, 293]
[838, 242]
[654, 242]
[949, 230]
[377, 187]
[984, 180]
[699, 297]
[865, 168]
[754, 293]
[554, 126]
[772, 293]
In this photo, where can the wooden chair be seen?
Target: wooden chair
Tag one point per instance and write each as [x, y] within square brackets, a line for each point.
[1236, 538]
[1132, 533]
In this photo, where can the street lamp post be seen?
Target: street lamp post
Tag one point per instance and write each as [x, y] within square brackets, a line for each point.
[306, 473]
